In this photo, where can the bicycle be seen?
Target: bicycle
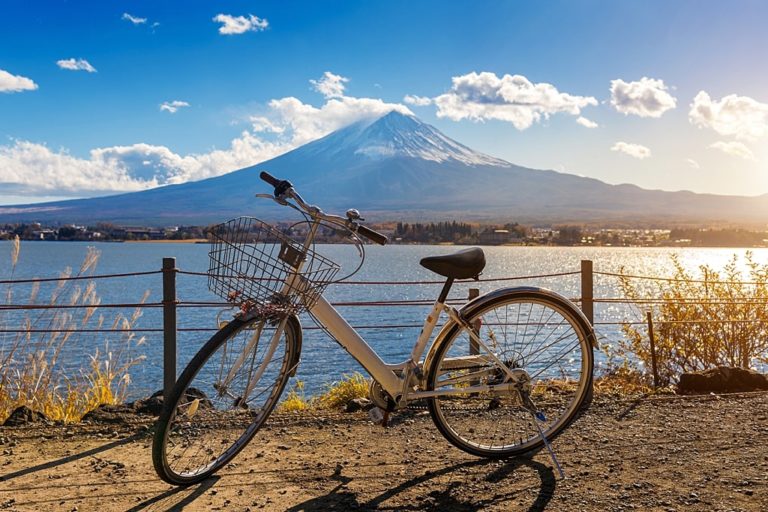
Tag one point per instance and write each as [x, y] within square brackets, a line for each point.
[505, 374]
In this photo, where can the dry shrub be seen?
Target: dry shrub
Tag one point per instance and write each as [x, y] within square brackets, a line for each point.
[31, 371]
[700, 321]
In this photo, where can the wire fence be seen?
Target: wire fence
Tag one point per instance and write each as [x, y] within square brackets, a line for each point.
[609, 313]
[182, 304]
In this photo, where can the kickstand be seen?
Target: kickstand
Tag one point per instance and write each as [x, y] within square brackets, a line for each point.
[546, 443]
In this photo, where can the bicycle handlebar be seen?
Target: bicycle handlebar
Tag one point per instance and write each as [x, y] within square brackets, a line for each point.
[373, 236]
[285, 188]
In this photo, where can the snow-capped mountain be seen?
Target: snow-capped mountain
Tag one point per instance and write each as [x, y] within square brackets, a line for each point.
[397, 167]
[397, 135]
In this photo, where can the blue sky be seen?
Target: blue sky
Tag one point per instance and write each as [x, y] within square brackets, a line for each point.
[100, 97]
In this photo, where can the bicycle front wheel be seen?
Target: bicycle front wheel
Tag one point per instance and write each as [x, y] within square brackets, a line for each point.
[543, 340]
[223, 397]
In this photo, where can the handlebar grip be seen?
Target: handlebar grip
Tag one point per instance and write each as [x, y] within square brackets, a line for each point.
[264, 175]
[281, 186]
[373, 236]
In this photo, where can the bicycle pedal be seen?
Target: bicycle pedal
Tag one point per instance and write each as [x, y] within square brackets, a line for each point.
[377, 415]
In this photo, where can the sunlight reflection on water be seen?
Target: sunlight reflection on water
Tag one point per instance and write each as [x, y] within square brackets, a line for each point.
[322, 360]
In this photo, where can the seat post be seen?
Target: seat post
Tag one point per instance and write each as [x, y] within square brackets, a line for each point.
[446, 289]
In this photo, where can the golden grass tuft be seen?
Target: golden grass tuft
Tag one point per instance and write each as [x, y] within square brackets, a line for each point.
[339, 393]
[336, 395]
[295, 401]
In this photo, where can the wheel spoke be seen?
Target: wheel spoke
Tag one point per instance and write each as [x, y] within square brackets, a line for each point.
[530, 333]
[222, 399]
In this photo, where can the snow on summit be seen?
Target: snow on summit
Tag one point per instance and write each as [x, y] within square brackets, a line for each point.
[401, 135]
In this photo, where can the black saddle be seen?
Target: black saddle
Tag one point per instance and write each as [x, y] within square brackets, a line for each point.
[459, 265]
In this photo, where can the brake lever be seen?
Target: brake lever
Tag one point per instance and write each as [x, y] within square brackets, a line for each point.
[278, 200]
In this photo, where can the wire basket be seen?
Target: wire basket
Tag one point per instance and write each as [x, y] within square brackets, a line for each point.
[252, 264]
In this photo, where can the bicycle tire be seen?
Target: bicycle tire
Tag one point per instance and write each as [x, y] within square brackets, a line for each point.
[204, 413]
[518, 324]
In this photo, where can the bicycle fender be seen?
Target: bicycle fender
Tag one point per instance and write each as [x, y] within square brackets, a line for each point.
[564, 302]
[293, 319]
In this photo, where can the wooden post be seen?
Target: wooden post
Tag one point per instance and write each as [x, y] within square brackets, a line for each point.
[474, 348]
[653, 350]
[587, 291]
[169, 325]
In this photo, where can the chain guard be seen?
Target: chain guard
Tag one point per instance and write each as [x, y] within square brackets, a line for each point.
[380, 397]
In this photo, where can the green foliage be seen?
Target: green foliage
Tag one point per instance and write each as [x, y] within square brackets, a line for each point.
[458, 232]
[701, 321]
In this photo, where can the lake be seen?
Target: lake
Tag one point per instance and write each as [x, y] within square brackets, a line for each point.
[322, 359]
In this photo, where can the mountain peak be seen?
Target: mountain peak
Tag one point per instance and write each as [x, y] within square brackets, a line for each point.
[397, 134]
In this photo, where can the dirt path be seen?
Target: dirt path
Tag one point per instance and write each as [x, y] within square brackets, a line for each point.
[668, 454]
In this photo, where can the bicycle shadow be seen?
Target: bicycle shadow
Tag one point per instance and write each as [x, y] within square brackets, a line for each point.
[73, 457]
[176, 499]
[442, 497]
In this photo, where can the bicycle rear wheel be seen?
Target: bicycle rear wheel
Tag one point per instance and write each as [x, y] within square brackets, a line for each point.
[539, 336]
[223, 397]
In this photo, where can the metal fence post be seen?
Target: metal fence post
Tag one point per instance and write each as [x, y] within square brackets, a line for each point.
[652, 340]
[587, 291]
[169, 325]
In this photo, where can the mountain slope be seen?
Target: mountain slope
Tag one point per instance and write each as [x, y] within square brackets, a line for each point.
[394, 167]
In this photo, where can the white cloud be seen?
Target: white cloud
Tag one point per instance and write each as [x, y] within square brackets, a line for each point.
[633, 150]
[173, 106]
[15, 83]
[417, 101]
[31, 168]
[693, 163]
[240, 24]
[133, 19]
[511, 98]
[262, 124]
[586, 123]
[737, 116]
[734, 148]
[306, 123]
[646, 97]
[76, 65]
[330, 85]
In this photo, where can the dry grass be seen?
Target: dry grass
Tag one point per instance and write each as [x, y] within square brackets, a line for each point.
[295, 401]
[715, 318]
[31, 371]
[336, 395]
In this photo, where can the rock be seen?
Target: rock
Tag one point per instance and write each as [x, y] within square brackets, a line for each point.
[23, 415]
[152, 405]
[194, 393]
[723, 379]
[358, 404]
[110, 414]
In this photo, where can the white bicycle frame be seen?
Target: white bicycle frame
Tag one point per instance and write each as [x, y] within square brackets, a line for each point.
[396, 379]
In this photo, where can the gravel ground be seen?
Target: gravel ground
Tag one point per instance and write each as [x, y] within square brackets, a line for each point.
[660, 453]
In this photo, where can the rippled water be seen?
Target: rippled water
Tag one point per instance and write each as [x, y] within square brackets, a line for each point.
[322, 359]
